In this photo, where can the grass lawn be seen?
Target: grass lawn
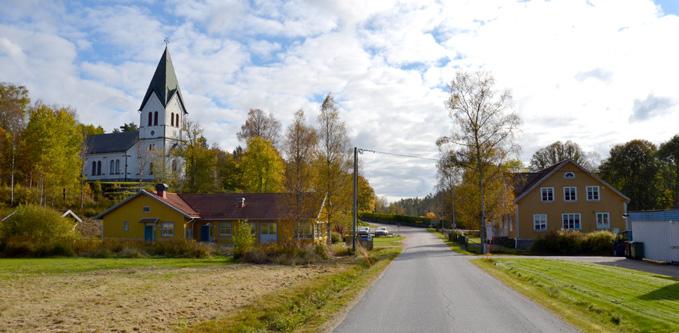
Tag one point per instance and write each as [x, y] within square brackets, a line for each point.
[310, 306]
[33, 266]
[593, 297]
[455, 247]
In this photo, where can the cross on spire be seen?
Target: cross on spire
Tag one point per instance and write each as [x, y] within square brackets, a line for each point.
[166, 41]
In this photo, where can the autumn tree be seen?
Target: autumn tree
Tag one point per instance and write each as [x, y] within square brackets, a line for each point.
[669, 153]
[484, 133]
[229, 170]
[53, 142]
[333, 157]
[262, 165]
[557, 152]
[14, 101]
[258, 124]
[200, 161]
[634, 169]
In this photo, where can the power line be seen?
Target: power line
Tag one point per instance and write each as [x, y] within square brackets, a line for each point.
[361, 150]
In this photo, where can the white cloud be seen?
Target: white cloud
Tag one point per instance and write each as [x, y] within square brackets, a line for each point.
[579, 70]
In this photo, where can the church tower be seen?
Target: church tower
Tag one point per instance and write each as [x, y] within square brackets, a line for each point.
[161, 117]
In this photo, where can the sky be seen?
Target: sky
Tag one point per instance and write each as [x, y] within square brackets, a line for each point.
[597, 72]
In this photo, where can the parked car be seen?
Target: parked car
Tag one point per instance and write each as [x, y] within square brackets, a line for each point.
[363, 231]
[381, 231]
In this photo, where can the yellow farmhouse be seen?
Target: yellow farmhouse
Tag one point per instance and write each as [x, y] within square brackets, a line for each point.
[564, 196]
[163, 215]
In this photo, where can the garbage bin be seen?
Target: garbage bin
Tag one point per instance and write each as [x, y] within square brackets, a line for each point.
[637, 250]
[366, 241]
[628, 250]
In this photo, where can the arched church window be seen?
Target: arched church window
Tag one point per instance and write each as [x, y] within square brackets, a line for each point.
[174, 165]
[172, 119]
[150, 118]
[98, 168]
[112, 167]
[176, 121]
[150, 168]
[94, 168]
[117, 167]
[155, 118]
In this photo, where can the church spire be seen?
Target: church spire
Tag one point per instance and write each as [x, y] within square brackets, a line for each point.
[164, 82]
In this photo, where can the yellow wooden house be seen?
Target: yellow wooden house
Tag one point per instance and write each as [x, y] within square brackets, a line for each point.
[564, 196]
[162, 215]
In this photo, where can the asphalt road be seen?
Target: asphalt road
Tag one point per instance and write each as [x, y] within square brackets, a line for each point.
[429, 288]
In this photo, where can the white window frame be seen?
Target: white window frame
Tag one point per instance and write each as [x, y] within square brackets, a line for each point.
[544, 190]
[599, 226]
[569, 175]
[575, 191]
[165, 231]
[566, 225]
[147, 209]
[540, 222]
[228, 234]
[598, 193]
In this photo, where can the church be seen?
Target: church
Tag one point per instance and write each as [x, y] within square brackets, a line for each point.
[136, 156]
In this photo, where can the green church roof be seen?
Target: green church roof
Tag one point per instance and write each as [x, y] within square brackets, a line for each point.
[164, 83]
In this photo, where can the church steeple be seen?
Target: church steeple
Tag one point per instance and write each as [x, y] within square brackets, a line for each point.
[164, 83]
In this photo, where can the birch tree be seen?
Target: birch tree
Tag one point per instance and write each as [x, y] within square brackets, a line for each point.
[484, 129]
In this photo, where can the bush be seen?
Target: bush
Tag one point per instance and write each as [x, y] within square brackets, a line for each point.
[243, 240]
[336, 237]
[565, 242]
[286, 254]
[37, 231]
[340, 250]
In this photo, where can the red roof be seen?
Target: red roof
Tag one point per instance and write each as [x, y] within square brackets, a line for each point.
[257, 206]
[176, 201]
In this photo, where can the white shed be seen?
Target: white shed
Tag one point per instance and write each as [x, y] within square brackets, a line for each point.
[659, 231]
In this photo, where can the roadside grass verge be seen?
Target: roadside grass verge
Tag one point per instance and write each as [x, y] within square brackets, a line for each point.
[309, 306]
[454, 246]
[594, 298]
[42, 266]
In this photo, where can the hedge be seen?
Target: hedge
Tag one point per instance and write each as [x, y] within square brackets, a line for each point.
[405, 220]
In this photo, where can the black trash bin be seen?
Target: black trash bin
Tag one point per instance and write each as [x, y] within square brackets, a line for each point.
[637, 250]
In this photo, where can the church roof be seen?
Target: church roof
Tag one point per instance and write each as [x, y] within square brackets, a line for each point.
[111, 143]
[164, 82]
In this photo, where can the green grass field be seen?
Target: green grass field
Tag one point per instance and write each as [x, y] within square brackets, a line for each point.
[310, 306]
[35, 266]
[594, 297]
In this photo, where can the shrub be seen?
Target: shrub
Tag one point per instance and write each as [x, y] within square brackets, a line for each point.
[286, 254]
[340, 250]
[37, 231]
[336, 237]
[575, 243]
[243, 240]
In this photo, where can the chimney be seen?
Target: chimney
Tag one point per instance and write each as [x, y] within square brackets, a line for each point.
[242, 202]
[161, 190]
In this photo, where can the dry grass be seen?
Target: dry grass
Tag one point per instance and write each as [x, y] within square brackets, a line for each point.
[139, 299]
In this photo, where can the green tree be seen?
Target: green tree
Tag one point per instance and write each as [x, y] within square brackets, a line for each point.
[229, 170]
[635, 170]
[557, 152]
[53, 143]
[262, 166]
[669, 153]
[126, 127]
[201, 162]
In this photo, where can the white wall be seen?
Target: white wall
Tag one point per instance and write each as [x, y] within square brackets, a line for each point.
[660, 238]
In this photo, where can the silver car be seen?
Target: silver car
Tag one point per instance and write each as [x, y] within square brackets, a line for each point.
[381, 231]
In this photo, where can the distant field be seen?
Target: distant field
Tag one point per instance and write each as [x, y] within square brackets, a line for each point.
[594, 297]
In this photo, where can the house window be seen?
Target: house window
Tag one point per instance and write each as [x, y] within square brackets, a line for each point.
[253, 228]
[126, 226]
[592, 193]
[570, 193]
[603, 220]
[147, 209]
[570, 221]
[112, 167]
[226, 229]
[547, 194]
[167, 229]
[305, 230]
[539, 222]
[152, 146]
[569, 175]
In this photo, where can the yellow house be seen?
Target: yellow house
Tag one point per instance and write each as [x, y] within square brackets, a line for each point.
[164, 215]
[564, 196]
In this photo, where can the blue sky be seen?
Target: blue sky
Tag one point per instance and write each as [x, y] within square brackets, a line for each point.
[597, 72]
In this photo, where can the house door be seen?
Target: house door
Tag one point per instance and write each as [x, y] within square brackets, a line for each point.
[148, 232]
[205, 233]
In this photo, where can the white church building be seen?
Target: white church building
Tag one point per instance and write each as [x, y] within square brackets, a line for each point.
[130, 156]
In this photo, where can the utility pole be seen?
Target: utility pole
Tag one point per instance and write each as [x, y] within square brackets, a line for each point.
[355, 217]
